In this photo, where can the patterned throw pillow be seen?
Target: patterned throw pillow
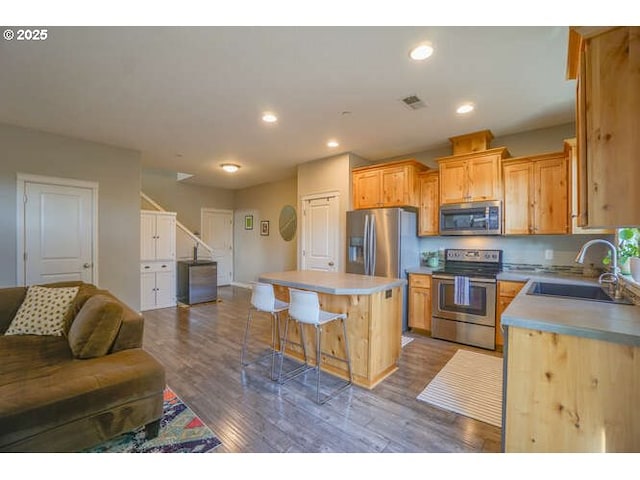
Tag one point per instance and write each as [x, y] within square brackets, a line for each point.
[43, 311]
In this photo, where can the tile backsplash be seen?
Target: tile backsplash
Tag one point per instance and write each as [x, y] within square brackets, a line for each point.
[528, 250]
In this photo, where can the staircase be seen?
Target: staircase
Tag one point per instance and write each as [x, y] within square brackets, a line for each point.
[186, 240]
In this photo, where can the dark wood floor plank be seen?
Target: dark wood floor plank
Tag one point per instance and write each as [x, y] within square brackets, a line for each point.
[200, 348]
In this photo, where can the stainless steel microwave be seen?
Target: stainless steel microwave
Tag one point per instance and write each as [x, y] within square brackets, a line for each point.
[474, 218]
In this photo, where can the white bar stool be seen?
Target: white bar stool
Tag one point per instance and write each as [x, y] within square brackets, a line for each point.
[304, 308]
[263, 300]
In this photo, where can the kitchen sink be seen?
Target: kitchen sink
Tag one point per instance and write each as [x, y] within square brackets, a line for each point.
[574, 291]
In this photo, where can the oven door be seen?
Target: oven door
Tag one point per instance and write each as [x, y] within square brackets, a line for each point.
[482, 301]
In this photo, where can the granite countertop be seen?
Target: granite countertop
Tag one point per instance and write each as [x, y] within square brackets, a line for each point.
[583, 318]
[333, 283]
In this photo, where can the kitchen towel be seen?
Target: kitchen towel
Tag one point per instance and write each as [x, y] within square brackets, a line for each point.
[461, 290]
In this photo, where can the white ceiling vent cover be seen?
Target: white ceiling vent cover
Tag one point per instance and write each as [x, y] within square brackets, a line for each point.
[413, 102]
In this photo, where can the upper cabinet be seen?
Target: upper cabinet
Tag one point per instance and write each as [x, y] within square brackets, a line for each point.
[392, 184]
[157, 236]
[606, 63]
[536, 195]
[471, 177]
[428, 213]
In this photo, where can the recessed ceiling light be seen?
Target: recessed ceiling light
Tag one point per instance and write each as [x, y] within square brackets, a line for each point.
[421, 52]
[269, 117]
[230, 167]
[332, 144]
[465, 108]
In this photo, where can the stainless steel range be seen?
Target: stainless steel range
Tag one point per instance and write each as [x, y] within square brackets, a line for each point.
[464, 297]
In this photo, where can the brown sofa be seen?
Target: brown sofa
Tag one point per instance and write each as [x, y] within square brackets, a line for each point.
[67, 393]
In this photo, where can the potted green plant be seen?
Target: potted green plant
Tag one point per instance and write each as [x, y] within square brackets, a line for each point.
[628, 239]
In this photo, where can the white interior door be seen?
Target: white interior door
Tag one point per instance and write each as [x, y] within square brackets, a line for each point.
[321, 233]
[57, 234]
[217, 232]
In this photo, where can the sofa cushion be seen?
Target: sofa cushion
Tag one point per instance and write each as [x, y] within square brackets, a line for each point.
[95, 327]
[43, 311]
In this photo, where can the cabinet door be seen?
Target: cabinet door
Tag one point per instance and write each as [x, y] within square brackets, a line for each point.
[366, 189]
[612, 101]
[551, 207]
[506, 293]
[484, 178]
[428, 215]
[518, 198]
[420, 308]
[165, 237]
[453, 181]
[165, 289]
[147, 291]
[395, 186]
[147, 236]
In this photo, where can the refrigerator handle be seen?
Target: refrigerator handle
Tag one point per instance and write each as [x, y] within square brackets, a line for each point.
[372, 267]
[365, 245]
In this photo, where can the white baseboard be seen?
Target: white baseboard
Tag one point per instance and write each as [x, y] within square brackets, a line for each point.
[241, 285]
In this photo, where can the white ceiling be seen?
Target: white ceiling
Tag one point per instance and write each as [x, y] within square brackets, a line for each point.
[190, 98]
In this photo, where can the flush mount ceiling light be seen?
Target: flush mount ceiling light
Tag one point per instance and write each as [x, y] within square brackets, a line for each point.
[230, 167]
[269, 117]
[421, 52]
[465, 108]
[332, 144]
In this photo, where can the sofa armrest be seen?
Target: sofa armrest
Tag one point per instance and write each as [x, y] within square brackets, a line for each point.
[10, 301]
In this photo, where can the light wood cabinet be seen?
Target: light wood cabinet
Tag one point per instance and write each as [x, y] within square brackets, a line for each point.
[571, 151]
[472, 177]
[569, 394]
[506, 293]
[429, 210]
[607, 67]
[392, 184]
[536, 195]
[420, 302]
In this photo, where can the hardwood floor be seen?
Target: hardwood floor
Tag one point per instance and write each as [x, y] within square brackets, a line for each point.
[200, 349]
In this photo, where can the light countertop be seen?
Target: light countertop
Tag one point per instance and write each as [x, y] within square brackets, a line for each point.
[333, 283]
[583, 318]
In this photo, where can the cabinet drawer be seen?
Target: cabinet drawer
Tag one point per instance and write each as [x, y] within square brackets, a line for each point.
[419, 280]
[156, 267]
[509, 289]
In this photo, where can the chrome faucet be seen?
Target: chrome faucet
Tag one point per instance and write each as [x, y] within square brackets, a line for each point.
[610, 278]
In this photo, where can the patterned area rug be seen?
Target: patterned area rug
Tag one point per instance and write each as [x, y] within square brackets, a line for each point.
[181, 431]
[469, 384]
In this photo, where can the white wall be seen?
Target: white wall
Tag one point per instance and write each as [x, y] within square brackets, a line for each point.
[117, 172]
[184, 198]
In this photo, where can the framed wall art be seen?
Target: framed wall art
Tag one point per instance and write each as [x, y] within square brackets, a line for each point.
[264, 227]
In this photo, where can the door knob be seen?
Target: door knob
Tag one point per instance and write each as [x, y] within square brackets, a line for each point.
[86, 265]
[331, 264]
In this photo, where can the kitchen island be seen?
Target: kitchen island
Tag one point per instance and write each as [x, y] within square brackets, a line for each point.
[571, 374]
[374, 320]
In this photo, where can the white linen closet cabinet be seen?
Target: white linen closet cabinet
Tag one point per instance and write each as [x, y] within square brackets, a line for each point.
[157, 259]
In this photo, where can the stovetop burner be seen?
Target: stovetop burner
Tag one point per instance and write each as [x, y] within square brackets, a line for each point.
[476, 263]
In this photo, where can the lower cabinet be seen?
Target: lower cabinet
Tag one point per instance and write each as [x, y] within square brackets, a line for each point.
[506, 293]
[569, 394]
[420, 302]
[157, 285]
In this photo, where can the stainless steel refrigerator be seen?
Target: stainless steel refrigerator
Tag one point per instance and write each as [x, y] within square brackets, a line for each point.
[383, 242]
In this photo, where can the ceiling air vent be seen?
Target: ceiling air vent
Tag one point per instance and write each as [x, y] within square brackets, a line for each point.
[413, 102]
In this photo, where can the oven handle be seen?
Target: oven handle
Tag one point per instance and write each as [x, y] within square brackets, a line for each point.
[471, 279]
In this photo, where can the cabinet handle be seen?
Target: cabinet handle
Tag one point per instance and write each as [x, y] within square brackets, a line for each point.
[147, 267]
[163, 266]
